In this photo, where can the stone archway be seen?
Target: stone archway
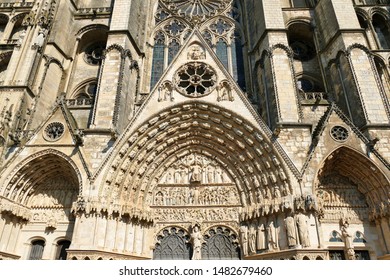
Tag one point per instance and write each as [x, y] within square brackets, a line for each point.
[351, 194]
[196, 163]
[41, 193]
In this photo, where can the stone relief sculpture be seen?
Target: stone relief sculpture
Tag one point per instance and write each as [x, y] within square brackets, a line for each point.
[165, 92]
[348, 240]
[196, 239]
[224, 92]
[260, 242]
[303, 230]
[196, 52]
[244, 239]
[252, 239]
[338, 191]
[291, 231]
[272, 239]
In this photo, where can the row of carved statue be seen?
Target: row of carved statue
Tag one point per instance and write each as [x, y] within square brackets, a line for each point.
[257, 236]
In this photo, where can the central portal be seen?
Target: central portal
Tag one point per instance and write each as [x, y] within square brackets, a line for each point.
[196, 206]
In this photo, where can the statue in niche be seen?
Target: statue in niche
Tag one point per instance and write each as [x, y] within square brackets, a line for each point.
[165, 92]
[261, 237]
[244, 239]
[303, 230]
[225, 92]
[210, 174]
[291, 231]
[271, 237]
[348, 241]
[252, 239]
[196, 239]
[169, 177]
[196, 53]
[159, 200]
[196, 174]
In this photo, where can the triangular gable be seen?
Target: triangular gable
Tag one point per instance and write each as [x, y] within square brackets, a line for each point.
[59, 129]
[332, 118]
[225, 92]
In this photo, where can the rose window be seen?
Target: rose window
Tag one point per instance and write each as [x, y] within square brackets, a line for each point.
[94, 54]
[339, 133]
[195, 79]
[54, 131]
[197, 8]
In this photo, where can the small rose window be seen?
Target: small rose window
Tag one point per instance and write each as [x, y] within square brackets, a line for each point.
[54, 131]
[195, 79]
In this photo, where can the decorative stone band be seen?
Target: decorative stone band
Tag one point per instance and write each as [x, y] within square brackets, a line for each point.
[15, 209]
[99, 205]
[284, 204]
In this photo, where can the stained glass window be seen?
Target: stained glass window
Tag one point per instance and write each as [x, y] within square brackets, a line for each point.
[222, 52]
[158, 59]
[173, 49]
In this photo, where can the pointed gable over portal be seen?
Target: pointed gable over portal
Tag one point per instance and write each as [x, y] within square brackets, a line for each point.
[196, 73]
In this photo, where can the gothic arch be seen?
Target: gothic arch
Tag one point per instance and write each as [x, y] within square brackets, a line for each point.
[134, 171]
[89, 28]
[172, 242]
[361, 171]
[30, 173]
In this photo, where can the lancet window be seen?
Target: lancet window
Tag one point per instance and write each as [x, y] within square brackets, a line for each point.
[217, 20]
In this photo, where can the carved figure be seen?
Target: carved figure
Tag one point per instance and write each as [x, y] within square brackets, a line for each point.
[196, 53]
[344, 225]
[225, 92]
[291, 231]
[196, 238]
[165, 92]
[244, 239]
[196, 175]
[260, 237]
[303, 231]
[252, 239]
[271, 237]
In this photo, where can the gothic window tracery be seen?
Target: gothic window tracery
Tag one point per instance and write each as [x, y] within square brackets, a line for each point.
[221, 244]
[382, 31]
[172, 244]
[195, 79]
[94, 53]
[217, 21]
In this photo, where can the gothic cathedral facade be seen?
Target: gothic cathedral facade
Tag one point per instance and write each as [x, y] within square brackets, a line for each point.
[194, 129]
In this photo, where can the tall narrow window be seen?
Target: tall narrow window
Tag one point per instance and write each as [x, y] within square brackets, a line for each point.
[37, 250]
[222, 52]
[158, 58]
[382, 31]
[238, 62]
[173, 49]
[61, 249]
[3, 23]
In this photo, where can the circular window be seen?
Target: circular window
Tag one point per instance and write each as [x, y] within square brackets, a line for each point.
[54, 131]
[339, 133]
[305, 85]
[195, 79]
[94, 53]
[302, 50]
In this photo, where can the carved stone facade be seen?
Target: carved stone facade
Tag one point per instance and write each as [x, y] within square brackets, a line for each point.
[173, 129]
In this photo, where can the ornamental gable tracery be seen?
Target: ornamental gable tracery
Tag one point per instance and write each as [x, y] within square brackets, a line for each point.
[218, 22]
